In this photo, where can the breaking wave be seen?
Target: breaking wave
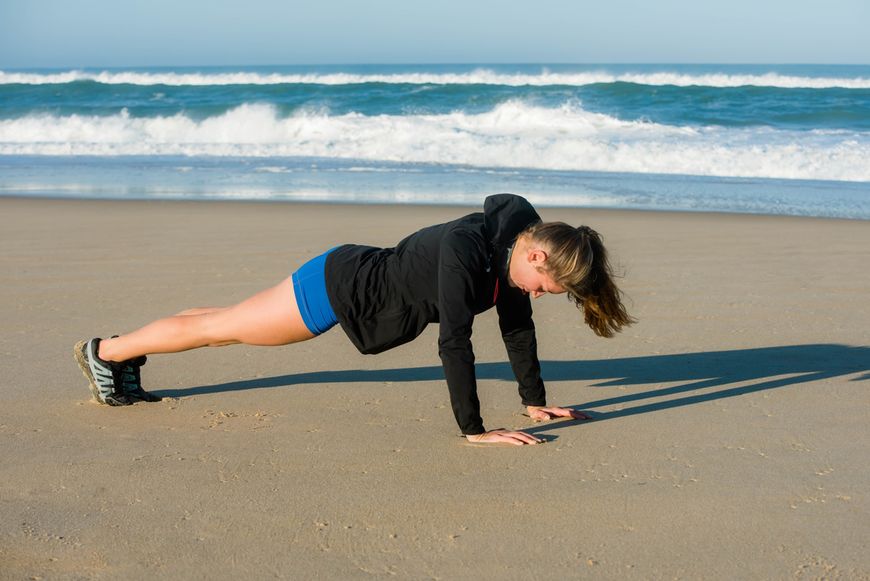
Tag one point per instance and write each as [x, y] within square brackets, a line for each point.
[513, 134]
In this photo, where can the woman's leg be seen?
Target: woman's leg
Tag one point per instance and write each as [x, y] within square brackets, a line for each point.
[200, 311]
[270, 317]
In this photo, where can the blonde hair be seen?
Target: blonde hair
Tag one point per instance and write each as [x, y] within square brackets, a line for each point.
[577, 261]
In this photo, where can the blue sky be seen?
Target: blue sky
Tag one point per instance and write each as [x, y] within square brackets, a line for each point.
[117, 33]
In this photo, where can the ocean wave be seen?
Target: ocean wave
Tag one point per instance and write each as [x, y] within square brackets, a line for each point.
[512, 135]
[476, 77]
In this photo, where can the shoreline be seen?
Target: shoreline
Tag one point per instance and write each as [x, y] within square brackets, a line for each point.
[467, 208]
[328, 180]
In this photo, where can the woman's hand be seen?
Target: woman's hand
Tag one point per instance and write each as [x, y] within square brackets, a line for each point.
[542, 413]
[502, 436]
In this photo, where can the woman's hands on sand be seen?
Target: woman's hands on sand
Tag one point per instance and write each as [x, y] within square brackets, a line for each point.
[544, 413]
[502, 436]
[519, 438]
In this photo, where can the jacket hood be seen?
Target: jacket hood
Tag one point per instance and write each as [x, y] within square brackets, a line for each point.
[505, 216]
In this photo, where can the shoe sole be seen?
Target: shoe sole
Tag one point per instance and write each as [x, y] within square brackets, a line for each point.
[79, 352]
[145, 396]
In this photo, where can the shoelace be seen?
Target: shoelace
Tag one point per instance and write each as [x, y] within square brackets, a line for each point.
[132, 374]
[117, 378]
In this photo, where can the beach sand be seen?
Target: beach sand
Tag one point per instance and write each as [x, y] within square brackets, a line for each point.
[730, 439]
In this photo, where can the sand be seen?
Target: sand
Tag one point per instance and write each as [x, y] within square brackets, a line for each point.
[730, 438]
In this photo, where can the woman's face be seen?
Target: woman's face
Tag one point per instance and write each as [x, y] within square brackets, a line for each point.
[523, 272]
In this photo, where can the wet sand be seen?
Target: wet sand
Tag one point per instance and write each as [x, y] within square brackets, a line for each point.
[730, 437]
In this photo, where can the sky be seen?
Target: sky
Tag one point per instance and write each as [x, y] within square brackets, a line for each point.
[119, 33]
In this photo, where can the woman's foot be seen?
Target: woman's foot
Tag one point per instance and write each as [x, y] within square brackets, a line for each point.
[105, 378]
[111, 382]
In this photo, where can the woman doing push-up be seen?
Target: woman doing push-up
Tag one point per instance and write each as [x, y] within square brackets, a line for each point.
[384, 297]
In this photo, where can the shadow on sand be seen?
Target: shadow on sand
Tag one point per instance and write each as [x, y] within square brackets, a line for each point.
[721, 374]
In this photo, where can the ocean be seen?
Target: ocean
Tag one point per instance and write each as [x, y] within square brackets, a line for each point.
[766, 139]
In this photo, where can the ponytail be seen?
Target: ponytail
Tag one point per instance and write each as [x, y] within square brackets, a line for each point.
[577, 261]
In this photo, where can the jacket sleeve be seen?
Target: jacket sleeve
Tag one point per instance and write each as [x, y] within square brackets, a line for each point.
[518, 332]
[459, 260]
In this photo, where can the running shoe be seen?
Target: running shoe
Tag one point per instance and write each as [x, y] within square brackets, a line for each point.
[105, 378]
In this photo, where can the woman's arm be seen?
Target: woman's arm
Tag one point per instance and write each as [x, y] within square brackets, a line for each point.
[459, 263]
[518, 333]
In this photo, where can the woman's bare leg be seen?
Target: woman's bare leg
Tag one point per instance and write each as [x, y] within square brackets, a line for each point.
[270, 317]
[199, 311]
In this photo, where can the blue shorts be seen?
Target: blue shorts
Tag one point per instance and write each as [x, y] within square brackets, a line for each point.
[309, 286]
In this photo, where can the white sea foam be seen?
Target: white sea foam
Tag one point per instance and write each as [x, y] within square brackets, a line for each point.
[480, 76]
[273, 169]
[512, 135]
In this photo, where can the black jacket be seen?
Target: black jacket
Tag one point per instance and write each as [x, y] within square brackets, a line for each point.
[384, 297]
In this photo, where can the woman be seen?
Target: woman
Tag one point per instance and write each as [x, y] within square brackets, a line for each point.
[384, 297]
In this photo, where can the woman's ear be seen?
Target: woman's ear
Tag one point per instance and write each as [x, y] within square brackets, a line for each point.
[537, 256]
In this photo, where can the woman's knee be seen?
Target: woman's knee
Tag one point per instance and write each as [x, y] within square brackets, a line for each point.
[214, 331]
